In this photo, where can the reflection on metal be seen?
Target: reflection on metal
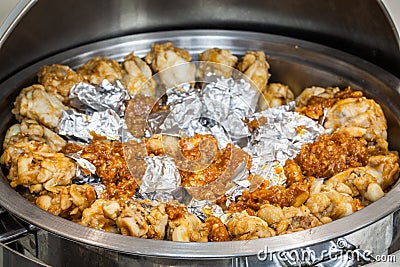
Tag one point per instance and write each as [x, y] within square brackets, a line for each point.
[21, 8]
[350, 250]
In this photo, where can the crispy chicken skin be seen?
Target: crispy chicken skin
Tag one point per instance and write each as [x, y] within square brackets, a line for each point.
[97, 69]
[224, 59]
[35, 103]
[58, 80]
[101, 215]
[137, 77]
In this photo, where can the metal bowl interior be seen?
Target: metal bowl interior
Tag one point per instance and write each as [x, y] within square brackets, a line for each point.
[296, 63]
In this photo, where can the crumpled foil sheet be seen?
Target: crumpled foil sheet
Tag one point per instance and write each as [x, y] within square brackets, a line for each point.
[86, 173]
[279, 139]
[79, 126]
[161, 179]
[219, 108]
[100, 97]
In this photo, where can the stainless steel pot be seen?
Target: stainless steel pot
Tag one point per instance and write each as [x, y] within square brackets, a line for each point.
[294, 62]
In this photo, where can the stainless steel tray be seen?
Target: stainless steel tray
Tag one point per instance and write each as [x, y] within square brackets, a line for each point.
[296, 63]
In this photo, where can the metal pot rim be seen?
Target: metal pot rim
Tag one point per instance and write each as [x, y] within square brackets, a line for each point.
[19, 206]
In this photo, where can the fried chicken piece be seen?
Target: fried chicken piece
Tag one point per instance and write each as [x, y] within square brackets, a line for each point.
[297, 219]
[294, 195]
[224, 163]
[35, 103]
[312, 92]
[275, 95]
[255, 66]
[108, 158]
[29, 130]
[224, 59]
[166, 55]
[143, 219]
[217, 231]
[314, 101]
[58, 80]
[292, 172]
[357, 117]
[328, 204]
[275, 217]
[34, 165]
[369, 181]
[97, 69]
[137, 77]
[160, 145]
[101, 215]
[184, 226]
[67, 201]
[331, 154]
[241, 226]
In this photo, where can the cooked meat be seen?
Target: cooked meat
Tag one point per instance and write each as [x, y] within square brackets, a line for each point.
[217, 231]
[35, 103]
[58, 80]
[255, 66]
[137, 77]
[357, 117]
[97, 69]
[241, 226]
[313, 102]
[224, 59]
[166, 55]
[275, 95]
[30, 130]
[101, 215]
[67, 201]
[331, 154]
[111, 167]
[34, 165]
[187, 228]
[143, 219]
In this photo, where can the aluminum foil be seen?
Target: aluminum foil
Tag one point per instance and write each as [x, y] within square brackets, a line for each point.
[80, 126]
[161, 179]
[279, 139]
[100, 97]
[219, 108]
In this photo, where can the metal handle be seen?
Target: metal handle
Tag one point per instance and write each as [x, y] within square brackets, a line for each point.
[10, 228]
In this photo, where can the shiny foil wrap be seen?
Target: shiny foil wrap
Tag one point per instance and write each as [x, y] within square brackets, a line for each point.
[279, 138]
[161, 179]
[219, 108]
[81, 126]
[100, 97]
